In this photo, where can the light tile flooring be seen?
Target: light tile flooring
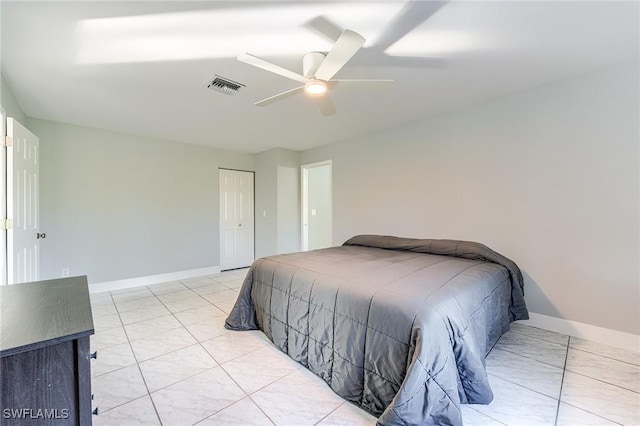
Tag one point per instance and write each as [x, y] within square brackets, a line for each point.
[164, 357]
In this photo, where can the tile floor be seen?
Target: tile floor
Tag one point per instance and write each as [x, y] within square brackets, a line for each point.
[165, 358]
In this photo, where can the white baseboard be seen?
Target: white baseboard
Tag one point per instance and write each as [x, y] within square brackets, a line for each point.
[151, 279]
[619, 339]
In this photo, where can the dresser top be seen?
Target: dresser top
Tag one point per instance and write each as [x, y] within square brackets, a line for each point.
[43, 313]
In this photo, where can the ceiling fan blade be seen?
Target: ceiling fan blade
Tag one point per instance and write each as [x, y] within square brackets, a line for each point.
[325, 105]
[347, 45]
[250, 59]
[412, 14]
[279, 96]
[326, 27]
[365, 85]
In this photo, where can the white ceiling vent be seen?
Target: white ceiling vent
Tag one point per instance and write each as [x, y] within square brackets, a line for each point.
[224, 85]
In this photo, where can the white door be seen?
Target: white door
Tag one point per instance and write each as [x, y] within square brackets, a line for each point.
[23, 254]
[317, 216]
[3, 201]
[236, 219]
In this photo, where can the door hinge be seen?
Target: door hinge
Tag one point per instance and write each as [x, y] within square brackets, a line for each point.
[6, 223]
[7, 141]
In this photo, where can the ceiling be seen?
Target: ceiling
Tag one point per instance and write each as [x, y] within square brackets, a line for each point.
[142, 67]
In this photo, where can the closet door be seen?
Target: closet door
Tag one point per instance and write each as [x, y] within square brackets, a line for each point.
[236, 219]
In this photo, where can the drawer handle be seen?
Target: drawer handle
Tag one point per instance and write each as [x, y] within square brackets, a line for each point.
[92, 395]
[94, 355]
[95, 411]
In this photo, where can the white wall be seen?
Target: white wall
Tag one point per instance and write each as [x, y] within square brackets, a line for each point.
[288, 200]
[266, 215]
[548, 177]
[277, 202]
[117, 206]
[9, 102]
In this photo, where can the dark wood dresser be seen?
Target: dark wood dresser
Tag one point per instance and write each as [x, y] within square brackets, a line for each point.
[44, 348]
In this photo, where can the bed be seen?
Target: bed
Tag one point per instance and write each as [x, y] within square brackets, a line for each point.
[399, 327]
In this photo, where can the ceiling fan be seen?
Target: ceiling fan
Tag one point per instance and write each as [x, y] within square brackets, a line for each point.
[318, 70]
[412, 15]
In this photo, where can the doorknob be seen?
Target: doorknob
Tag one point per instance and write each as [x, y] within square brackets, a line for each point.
[240, 224]
[39, 235]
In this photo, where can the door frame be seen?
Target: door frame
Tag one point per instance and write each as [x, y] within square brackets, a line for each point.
[304, 200]
[3, 199]
[220, 245]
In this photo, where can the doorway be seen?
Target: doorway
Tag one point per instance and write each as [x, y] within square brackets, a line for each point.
[236, 219]
[317, 215]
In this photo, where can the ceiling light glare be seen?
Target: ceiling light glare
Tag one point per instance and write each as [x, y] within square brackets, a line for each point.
[315, 88]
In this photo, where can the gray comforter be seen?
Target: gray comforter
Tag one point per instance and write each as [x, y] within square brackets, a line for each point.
[399, 327]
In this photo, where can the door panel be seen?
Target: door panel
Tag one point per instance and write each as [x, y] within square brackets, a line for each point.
[23, 248]
[236, 219]
[3, 200]
[317, 216]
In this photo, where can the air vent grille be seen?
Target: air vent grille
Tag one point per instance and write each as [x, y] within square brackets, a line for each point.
[224, 85]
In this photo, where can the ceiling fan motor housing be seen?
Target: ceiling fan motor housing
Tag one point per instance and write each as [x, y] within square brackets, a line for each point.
[310, 63]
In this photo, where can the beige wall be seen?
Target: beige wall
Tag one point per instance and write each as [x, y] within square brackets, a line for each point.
[549, 177]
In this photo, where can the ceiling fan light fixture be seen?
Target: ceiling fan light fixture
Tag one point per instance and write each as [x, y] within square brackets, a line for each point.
[315, 88]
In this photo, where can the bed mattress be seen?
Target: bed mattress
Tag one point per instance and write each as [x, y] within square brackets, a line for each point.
[399, 327]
